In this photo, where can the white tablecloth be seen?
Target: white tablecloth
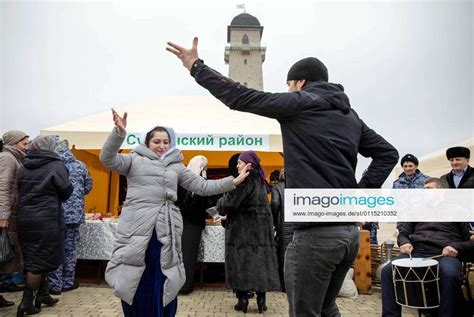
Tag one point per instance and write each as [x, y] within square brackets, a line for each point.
[97, 242]
[212, 247]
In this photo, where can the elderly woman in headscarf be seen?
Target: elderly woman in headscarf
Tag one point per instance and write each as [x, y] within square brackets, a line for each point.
[250, 256]
[146, 269]
[43, 184]
[193, 210]
[12, 152]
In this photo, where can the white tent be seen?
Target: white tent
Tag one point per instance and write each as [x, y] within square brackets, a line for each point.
[201, 122]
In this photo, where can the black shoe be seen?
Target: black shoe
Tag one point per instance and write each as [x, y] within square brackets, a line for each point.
[73, 287]
[43, 297]
[52, 292]
[261, 303]
[242, 305]
[14, 288]
[26, 305]
[27, 308]
[5, 303]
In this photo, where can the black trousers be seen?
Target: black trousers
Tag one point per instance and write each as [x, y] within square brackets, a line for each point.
[316, 262]
[190, 247]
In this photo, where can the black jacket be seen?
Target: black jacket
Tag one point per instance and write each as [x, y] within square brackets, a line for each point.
[432, 237]
[467, 181]
[43, 184]
[193, 207]
[284, 230]
[321, 134]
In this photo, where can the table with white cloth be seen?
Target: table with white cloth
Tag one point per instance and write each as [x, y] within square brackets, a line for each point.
[212, 246]
[98, 237]
[96, 240]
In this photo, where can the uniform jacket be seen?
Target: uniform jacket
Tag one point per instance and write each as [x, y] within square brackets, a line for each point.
[82, 183]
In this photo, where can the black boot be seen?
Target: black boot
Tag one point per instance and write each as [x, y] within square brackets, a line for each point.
[26, 305]
[4, 302]
[261, 302]
[243, 302]
[43, 296]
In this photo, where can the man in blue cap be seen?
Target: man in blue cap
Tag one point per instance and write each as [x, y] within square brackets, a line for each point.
[411, 176]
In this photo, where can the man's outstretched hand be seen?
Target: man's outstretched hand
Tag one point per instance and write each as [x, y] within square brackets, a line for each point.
[187, 56]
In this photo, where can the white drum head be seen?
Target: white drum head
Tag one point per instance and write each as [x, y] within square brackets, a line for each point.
[414, 262]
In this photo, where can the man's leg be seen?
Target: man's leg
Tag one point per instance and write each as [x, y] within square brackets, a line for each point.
[190, 241]
[330, 308]
[304, 291]
[373, 233]
[70, 252]
[55, 279]
[310, 261]
[390, 308]
[451, 301]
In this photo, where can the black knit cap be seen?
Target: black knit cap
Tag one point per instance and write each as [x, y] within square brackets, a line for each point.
[409, 158]
[458, 151]
[310, 68]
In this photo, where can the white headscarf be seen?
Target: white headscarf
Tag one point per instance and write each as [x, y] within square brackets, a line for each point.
[198, 165]
[171, 133]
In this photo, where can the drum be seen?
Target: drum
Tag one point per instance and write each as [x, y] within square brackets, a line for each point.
[416, 282]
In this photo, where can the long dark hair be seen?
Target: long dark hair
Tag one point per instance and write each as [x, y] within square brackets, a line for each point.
[233, 165]
[152, 132]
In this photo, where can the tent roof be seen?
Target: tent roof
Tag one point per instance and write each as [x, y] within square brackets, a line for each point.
[198, 116]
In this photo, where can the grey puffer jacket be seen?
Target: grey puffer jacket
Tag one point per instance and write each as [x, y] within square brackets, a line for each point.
[150, 205]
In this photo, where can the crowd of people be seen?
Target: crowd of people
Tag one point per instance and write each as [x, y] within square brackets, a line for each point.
[42, 189]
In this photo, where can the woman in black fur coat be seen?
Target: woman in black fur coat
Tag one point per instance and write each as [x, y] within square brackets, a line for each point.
[250, 256]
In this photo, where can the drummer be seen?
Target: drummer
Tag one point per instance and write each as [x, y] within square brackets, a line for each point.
[427, 239]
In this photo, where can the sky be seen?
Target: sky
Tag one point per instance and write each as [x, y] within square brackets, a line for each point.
[407, 66]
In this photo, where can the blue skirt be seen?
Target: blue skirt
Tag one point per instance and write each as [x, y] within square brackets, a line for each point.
[148, 300]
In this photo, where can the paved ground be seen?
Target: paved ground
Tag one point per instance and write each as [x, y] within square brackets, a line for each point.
[98, 301]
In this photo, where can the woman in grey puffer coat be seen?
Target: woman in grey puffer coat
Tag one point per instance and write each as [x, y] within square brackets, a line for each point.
[146, 270]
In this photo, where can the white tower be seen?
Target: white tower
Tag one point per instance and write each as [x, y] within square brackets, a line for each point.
[244, 52]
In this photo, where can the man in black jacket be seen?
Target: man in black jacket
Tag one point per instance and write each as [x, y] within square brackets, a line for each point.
[461, 175]
[322, 136]
[427, 239]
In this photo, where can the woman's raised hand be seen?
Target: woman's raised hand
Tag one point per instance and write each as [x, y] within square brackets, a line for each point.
[120, 122]
[242, 175]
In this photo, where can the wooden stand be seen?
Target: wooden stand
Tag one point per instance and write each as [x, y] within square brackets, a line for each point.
[362, 265]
